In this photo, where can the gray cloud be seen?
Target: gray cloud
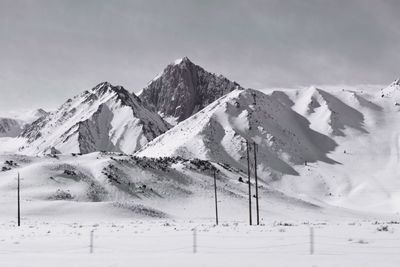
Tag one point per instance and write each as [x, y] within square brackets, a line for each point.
[53, 49]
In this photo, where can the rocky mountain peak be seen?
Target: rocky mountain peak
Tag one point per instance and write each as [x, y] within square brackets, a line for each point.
[105, 117]
[184, 88]
[396, 82]
[104, 87]
[182, 61]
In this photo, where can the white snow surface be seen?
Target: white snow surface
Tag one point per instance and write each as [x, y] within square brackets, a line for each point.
[170, 243]
[105, 118]
[178, 61]
[339, 146]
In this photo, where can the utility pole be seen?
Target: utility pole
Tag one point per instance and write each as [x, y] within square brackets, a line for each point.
[311, 240]
[19, 206]
[248, 179]
[256, 179]
[216, 199]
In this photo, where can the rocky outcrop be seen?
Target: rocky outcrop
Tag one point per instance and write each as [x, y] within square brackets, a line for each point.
[184, 88]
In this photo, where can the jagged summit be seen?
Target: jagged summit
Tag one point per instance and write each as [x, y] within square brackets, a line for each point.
[396, 82]
[391, 92]
[105, 117]
[183, 88]
[105, 87]
[182, 61]
[40, 112]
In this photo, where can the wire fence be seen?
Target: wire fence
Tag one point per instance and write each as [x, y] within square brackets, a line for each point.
[206, 242]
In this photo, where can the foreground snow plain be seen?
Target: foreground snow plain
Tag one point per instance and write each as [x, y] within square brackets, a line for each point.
[170, 243]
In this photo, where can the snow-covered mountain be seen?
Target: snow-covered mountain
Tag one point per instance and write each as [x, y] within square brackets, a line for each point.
[31, 116]
[184, 88]
[104, 118]
[315, 147]
[219, 131]
[10, 127]
[13, 125]
[338, 146]
[327, 113]
[391, 92]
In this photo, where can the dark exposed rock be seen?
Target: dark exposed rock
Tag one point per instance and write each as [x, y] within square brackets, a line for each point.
[185, 88]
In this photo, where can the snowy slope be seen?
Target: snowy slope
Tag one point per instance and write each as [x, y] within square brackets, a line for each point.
[351, 150]
[14, 124]
[183, 88]
[318, 147]
[365, 127]
[10, 127]
[391, 94]
[126, 186]
[104, 118]
[328, 114]
[218, 133]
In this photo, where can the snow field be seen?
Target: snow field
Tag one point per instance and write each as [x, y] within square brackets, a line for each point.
[171, 243]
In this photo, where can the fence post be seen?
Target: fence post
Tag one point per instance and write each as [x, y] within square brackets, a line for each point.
[311, 240]
[91, 241]
[194, 240]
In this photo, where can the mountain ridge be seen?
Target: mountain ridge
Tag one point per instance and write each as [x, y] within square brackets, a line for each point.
[106, 117]
[217, 133]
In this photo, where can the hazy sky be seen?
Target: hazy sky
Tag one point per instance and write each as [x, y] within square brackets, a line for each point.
[51, 50]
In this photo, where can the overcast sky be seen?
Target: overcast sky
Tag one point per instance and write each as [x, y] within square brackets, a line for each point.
[51, 50]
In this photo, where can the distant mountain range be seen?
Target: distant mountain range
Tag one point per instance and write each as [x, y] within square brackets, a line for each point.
[109, 118]
[189, 112]
[319, 146]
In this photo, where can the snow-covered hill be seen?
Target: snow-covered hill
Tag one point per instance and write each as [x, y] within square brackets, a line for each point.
[218, 133]
[184, 88]
[340, 146]
[327, 113]
[104, 118]
[113, 185]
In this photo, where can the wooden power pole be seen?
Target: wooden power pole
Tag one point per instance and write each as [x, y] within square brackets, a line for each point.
[248, 179]
[19, 206]
[216, 199]
[256, 179]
